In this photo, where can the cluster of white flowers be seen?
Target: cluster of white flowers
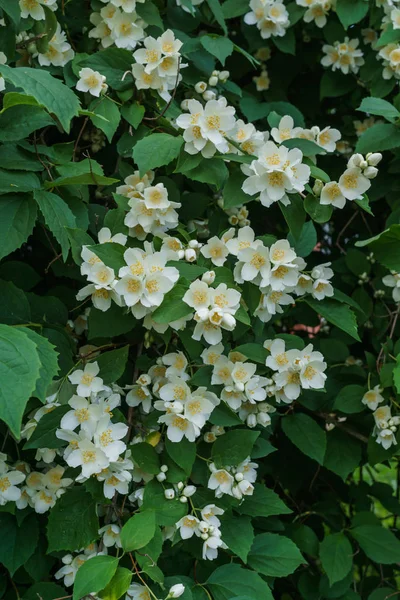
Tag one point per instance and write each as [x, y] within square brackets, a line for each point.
[10, 478]
[317, 10]
[94, 442]
[34, 8]
[276, 173]
[243, 391]
[158, 64]
[326, 138]
[353, 183]
[207, 528]
[235, 481]
[140, 285]
[59, 51]
[73, 563]
[393, 281]
[270, 16]
[390, 55]
[294, 370]
[141, 592]
[385, 427]
[118, 23]
[42, 489]
[345, 56]
[150, 209]
[214, 307]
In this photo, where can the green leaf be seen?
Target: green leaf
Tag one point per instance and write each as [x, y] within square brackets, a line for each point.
[320, 213]
[351, 11]
[56, 97]
[167, 512]
[337, 314]
[77, 239]
[156, 150]
[234, 8]
[17, 182]
[254, 352]
[388, 36]
[210, 170]
[233, 193]
[14, 307]
[172, 307]
[112, 364]
[118, 585]
[73, 521]
[336, 556]
[379, 137]
[343, 453]
[138, 531]
[184, 453]
[307, 147]
[85, 172]
[233, 447]
[44, 435]
[17, 219]
[274, 555]
[116, 323]
[287, 43]
[216, 10]
[263, 503]
[19, 371]
[379, 544]
[47, 28]
[46, 591]
[306, 241]
[349, 399]
[19, 541]
[385, 247]
[306, 435]
[48, 363]
[57, 215]
[146, 457]
[230, 581]
[12, 9]
[294, 215]
[238, 535]
[111, 254]
[133, 113]
[218, 46]
[94, 575]
[334, 84]
[14, 158]
[377, 106]
[108, 116]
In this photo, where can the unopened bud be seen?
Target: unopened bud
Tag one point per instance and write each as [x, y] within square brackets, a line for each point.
[208, 277]
[200, 87]
[370, 172]
[318, 185]
[169, 494]
[374, 158]
[209, 95]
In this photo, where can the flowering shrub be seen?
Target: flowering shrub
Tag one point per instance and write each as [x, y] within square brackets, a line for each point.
[200, 281]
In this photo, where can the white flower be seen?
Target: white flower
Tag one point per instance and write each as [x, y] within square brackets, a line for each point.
[111, 535]
[86, 380]
[32, 8]
[108, 437]
[209, 514]
[59, 51]
[68, 572]
[85, 415]
[353, 184]
[270, 16]
[343, 56]
[198, 295]
[373, 397]
[332, 194]
[211, 545]
[386, 438]
[211, 355]
[241, 374]
[262, 81]
[327, 138]
[9, 492]
[254, 264]
[221, 482]
[88, 456]
[188, 526]
[178, 427]
[127, 30]
[382, 415]
[216, 250]
[284, 131]
[393, 281]
[91, 81]
[177, 363]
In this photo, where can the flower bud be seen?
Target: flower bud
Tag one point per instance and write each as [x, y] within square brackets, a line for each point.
[374, 158]
[355, 160]
[204, 536]
[194, 244]
[208, 277]
[169, 494]
[189, 490]
[209, 95]
[239, 476]
[180, 485]
[251, 421]
[370, 172]
[163, 468]
[204, 526]
[161, 477]
[190, 255]
[185, 104]
[229, 321]
[200, 87]
[317, 189]
[176, 590]
[223, 76]
[183, 499]
[245, 487]
[236, 493]
[209, 437]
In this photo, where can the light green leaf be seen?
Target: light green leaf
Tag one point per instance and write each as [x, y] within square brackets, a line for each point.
[377, 106]
[254, 352]
[12, 9]
[233, 193]
[57, 215]
[218, 46]
[274, 555]
[379, 137]
[385, 247]
[146, 457]
[108, 116]
[216, 10]
[378, 543]
[73, 521]
[234, 8]
[48, 363]
[156, 150]
[44, 435]
[50, 92]
[17, 219]
[233, 447]
[118, 585]
[337, 314]
[230, 581]
[19, 371]
[238, 535]
[138, 531]
[336, 556]
[320, 213]
[133, 113]
[94, 575]
[306, 435]
[86, 172]
[172, 307]
[11, 182]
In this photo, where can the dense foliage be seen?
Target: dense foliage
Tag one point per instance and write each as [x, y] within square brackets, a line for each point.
[200, 285]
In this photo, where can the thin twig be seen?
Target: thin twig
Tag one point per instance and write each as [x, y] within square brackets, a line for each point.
[342, 231]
